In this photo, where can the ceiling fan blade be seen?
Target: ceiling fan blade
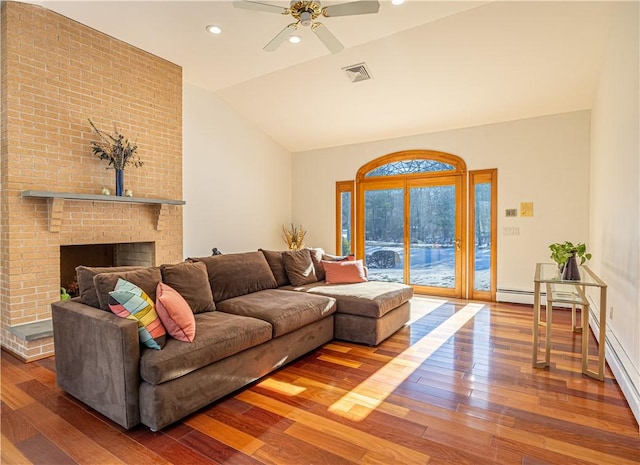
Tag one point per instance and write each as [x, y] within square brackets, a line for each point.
[364, 7]
[327, 38]
[257, 6]
[280, 38]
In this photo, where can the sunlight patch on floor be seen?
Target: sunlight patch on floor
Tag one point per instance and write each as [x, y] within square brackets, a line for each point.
[422, 306]
[281, 387]
[358, 403]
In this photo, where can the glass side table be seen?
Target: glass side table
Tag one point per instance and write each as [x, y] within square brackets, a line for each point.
[574, 293]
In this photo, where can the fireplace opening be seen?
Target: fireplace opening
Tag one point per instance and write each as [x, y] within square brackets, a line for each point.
[120, 254]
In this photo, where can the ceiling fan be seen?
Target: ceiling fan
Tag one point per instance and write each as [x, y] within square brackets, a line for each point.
[305, 12]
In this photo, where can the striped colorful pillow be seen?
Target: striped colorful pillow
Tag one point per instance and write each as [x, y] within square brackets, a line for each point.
[129, 301]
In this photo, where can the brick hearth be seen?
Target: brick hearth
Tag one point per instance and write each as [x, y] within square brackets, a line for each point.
[57, 73]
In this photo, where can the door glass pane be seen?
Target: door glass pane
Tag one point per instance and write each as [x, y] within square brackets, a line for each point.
[482, 246]
[346, 227]
[433, 236]
[384, 234]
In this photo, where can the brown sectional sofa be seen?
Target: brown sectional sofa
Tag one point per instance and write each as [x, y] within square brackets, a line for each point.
[250, 320]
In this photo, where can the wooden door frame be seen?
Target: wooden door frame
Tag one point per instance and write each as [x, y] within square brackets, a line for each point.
[481, 177]
[457, 180]
[395, 181]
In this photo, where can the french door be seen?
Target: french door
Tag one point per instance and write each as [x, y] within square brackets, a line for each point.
[412, 231]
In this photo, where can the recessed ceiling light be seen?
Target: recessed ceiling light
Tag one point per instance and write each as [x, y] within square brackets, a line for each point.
[295, 39]
[214, 29]
[397, 2]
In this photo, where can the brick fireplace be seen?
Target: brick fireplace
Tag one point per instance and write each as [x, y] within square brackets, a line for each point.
[55, 74]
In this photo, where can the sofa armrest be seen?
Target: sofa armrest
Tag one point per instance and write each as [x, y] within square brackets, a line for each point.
[97, 357]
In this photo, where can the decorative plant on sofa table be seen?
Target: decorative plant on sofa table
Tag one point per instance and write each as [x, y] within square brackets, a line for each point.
[560, 252]
[293, 237]
[565, 254]
[118, 151]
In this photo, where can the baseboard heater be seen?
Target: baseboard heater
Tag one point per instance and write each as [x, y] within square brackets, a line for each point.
[515, 296]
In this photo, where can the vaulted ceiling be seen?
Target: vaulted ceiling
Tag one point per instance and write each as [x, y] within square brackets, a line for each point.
[436, 65]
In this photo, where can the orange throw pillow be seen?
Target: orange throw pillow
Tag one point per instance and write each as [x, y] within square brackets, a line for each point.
[175, 313]
[344, 272]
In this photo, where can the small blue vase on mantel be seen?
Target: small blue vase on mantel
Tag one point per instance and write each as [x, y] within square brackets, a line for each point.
[119, 182]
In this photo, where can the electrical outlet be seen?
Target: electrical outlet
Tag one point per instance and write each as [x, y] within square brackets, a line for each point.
[511, 231]
[611, 312]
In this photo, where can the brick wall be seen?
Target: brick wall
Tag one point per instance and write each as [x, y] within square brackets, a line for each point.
[57, 73]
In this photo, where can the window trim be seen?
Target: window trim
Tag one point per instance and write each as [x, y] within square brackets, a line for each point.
[482, 177]
[341, 187]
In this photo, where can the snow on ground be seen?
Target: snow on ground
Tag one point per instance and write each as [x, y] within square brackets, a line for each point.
[430, 266]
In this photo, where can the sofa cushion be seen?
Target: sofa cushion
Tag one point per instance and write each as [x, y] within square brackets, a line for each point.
[145, 278]
[175, 313]
[191, 281]
[343, 272]
[129, 301]
[237, 274]
[276, 263]
[219, 335]
[86, 287]
[371, 299]
[286, 311]
[316, 258]
[299, 266]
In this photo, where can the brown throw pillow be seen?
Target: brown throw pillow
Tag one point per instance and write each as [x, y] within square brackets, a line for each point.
[276, 263]
[146, 279]
[299, 266]
[316, 258]
[191, 281]
[85, 274]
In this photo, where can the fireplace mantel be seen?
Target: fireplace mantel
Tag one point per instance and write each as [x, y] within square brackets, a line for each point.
[56, 204]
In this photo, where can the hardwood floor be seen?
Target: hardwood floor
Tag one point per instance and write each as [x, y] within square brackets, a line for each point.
[456, 386]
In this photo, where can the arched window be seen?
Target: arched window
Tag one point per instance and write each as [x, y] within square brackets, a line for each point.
[412, 163]
[409, 167]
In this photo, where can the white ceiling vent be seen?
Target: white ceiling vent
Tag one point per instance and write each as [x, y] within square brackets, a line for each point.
[357, 73]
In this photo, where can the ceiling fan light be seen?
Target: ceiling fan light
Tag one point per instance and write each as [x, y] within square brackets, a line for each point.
[295, 39]
[305, 18]
[213, 29]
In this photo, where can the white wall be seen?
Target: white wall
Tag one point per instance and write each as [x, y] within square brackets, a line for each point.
[237, 180]
[542, 160]
[615, 196]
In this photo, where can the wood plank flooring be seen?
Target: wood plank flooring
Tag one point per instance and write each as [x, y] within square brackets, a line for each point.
[456, 386]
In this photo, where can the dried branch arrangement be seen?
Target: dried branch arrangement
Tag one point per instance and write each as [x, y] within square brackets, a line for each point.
[116, 149]
[293, 237]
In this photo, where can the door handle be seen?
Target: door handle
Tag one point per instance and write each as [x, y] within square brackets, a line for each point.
[457, 244]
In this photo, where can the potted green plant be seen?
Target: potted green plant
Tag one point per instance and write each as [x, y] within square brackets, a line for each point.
[560, 252]
[565, 254]
[118, 151]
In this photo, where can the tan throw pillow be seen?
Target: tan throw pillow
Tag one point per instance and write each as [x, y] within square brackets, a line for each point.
[146, 279]
[191, 281]
[299, 266]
